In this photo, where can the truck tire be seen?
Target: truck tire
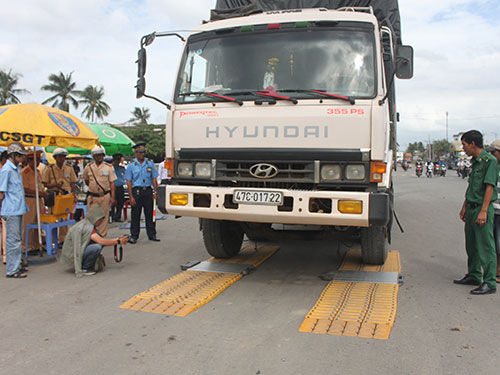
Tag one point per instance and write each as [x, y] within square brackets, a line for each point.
[374, 245]
[222, 239]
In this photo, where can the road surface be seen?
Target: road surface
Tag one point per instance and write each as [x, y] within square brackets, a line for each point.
[54, 323]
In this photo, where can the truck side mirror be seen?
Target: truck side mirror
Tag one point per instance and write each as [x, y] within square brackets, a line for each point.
[140, 87]
[404, 62]
[141, 63]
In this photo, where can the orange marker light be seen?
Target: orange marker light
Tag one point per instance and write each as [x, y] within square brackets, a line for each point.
[377, 171]
[169, 165]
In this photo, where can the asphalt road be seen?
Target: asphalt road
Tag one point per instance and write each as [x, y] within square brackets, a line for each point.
[54, 323]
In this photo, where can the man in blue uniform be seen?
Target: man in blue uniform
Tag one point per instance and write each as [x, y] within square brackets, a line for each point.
[116, 210]
[140, 175]
[12, 208]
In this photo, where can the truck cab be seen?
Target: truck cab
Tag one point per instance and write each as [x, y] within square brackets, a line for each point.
[288, 117]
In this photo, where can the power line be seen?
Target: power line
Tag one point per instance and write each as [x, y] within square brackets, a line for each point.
[403, 117]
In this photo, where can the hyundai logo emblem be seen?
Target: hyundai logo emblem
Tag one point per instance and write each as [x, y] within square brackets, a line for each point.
[263, 170]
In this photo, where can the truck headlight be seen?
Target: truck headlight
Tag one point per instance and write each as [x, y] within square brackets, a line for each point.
[355, 172]
[330, 172]
[185, 169]
[203, 170]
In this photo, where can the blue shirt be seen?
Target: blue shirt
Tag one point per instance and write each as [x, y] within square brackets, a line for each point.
[120, 176]
[11, 184]
[141, 175]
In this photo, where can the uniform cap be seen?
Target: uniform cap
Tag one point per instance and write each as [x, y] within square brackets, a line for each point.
[31, 154]
[97, 150]
[140, 147]
[16, 147]
[495, 146]
[60, 151]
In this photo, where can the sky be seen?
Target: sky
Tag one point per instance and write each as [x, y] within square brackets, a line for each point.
[456, 44]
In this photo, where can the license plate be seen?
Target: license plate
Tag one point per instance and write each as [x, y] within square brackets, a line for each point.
[273, 198]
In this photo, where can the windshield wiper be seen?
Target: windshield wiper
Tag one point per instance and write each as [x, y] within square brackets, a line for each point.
[213, 94]
[322, 93]
[271, 95]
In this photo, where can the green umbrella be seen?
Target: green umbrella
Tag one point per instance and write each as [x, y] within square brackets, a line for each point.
[111, 139]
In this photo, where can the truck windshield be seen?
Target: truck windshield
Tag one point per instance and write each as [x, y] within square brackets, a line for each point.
[339, 61]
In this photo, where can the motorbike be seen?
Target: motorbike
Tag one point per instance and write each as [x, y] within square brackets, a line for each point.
[429, 170]
[418, 170]
[442, 170]
[405, 166]
[435, 171]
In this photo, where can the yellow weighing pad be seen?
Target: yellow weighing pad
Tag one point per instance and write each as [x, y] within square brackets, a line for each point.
[352, 308]
[188, 290]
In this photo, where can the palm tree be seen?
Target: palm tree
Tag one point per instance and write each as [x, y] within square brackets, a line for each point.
[91, 96]
[64, 90]
[8, 94]
[141, 116]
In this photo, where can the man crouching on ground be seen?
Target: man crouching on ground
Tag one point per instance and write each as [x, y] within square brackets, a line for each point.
[83, 244]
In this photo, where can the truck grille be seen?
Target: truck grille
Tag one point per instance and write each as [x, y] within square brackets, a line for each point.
[296, 172]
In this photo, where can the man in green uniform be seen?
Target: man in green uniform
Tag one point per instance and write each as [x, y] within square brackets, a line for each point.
[477, 213]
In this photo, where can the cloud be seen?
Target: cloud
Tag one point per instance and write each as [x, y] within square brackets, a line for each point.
[181, 15]
[456, 68]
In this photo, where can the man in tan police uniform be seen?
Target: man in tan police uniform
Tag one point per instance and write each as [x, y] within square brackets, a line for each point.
[30, 217]
[61, 178]
[100, 177]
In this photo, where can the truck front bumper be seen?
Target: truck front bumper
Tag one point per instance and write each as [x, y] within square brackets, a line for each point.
[375, 206]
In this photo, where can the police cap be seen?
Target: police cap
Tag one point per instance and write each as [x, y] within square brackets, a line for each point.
[60, 151]
[31, 154]
[495, 146]
[140, 147]
[97, 150]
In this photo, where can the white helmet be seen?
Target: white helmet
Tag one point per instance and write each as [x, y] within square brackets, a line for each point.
[98, 150]
[60, 151]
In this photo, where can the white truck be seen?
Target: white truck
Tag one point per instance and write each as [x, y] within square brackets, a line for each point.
[283, 112]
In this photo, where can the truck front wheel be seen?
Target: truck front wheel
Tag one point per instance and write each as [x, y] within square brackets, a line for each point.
[222, 239]
[374, 245]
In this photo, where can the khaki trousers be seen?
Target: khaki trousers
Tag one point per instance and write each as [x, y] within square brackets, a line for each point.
[104, 203]
[30, 218]
[62, 234]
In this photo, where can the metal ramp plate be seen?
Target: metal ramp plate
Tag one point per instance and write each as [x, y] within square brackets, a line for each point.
[363, 308]
[208, 266]
[188, 290]
[363, 277]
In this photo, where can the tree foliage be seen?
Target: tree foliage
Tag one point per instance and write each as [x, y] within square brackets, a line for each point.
[141, 116]
[441, 147]
[8, 92]
[416, 146]
[64, 89]
[152, 135]
[95, 106]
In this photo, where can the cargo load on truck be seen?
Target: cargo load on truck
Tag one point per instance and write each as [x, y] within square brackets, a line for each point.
[386, 11]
